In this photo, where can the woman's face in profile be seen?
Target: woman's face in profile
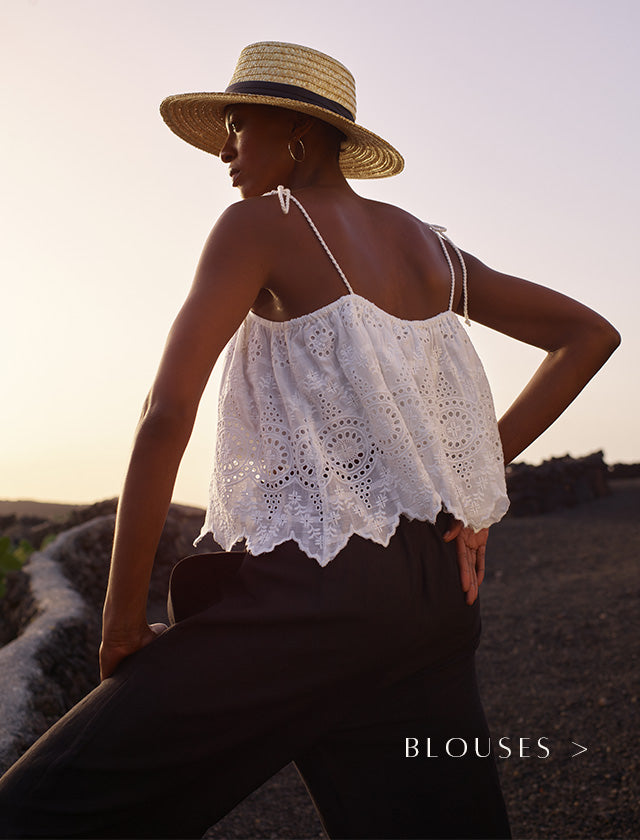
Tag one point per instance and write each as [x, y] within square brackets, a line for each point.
[256, 147]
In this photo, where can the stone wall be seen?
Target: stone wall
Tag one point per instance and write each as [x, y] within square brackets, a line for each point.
[556, 484]
[624, 471]
[44, 669]
[50, 619]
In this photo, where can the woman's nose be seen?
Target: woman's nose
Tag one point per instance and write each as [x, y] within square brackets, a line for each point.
[227, 152]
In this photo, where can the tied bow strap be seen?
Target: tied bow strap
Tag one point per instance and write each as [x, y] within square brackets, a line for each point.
[284, 196]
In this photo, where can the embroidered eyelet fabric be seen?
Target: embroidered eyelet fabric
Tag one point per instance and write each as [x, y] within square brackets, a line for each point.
[337, 422]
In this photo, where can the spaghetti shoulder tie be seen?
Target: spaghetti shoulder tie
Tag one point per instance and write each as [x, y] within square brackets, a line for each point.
[285, 197]
[440, 232]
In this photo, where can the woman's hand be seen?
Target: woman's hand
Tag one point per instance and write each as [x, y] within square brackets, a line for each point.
[471, 550]
[113, 651]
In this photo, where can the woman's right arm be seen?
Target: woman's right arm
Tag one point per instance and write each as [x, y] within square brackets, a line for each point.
[229, 276]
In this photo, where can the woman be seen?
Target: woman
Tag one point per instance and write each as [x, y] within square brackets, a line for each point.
[359, 457]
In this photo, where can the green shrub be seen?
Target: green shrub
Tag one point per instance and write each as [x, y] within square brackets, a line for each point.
[12, 559]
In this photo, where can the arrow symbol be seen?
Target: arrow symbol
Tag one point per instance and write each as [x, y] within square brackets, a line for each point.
[582, 749]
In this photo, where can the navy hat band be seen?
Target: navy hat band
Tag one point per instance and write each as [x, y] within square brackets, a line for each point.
[282, 91]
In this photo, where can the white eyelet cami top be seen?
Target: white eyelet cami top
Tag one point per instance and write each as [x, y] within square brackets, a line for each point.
[339, 421]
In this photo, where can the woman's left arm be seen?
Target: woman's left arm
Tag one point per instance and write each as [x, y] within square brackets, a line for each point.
[229, 277]
[578, 342]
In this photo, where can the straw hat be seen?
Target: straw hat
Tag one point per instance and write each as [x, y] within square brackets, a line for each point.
[294, 77]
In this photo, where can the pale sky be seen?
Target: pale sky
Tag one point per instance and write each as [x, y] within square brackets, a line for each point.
[518, 122]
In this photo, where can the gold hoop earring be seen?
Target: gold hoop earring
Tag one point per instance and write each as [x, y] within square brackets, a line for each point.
[300, 159]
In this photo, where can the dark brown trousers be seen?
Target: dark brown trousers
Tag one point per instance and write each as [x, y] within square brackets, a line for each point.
[333, 668]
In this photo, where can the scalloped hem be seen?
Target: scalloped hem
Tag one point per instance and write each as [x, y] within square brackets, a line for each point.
[381, 536]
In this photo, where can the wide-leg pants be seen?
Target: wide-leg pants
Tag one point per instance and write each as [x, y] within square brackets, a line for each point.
[333, 668]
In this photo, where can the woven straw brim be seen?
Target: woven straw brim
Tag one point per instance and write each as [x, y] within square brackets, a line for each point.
[198, 118]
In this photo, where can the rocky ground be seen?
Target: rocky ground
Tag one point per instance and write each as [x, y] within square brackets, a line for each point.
[558, 660]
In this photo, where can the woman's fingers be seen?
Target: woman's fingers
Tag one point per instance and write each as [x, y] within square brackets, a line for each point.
[463, 564]
[452, 532]
[467, 569]
[470, 548]
[472, 592]
[480, 554]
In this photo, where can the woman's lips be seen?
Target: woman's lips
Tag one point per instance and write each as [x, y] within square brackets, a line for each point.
[234, 175]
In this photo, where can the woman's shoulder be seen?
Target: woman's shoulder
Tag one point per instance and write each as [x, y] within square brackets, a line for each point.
[250, 222]
[247, 211]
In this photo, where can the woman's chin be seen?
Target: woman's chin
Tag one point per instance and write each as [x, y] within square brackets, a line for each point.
[248, 192]
[254, 190]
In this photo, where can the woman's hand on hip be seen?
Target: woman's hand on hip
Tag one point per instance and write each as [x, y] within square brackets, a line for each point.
[113, 650]
[471, 551]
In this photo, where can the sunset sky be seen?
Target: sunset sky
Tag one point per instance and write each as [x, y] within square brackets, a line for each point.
[520, 129]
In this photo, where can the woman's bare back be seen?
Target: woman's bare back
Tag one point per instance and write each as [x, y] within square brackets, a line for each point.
[388, 256]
